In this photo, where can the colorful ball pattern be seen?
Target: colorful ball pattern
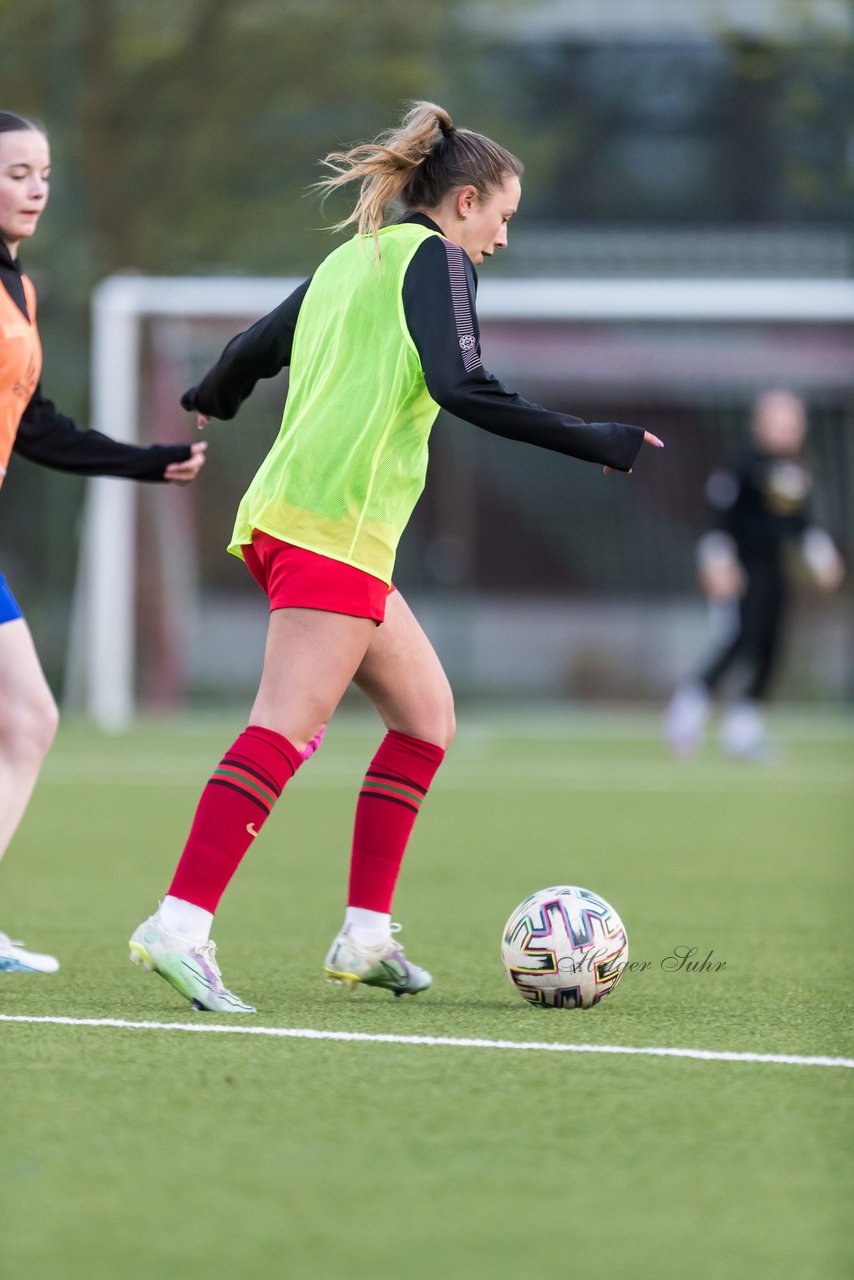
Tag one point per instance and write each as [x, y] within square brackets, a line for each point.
[564, 948]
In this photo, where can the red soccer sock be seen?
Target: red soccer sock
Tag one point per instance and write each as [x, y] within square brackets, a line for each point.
[391, 796]
[232, 809]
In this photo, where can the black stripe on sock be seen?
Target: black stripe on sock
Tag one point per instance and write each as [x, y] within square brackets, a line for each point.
[372, 795]
[391, 777]
[261, 774]
[247, 795]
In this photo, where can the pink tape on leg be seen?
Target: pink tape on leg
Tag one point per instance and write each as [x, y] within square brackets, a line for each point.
[314, 744]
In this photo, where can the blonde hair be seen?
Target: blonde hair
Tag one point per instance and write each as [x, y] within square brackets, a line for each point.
[417, 163]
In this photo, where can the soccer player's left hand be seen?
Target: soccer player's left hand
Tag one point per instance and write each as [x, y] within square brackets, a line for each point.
[648, 438]
[184, 472]
[823, 560]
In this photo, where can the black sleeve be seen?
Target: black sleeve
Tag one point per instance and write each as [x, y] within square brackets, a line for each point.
[259, 352]
[49, 438]
[438, 301]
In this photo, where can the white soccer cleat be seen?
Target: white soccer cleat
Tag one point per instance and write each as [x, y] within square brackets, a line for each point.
[189, 966]
[14, 958]
[685, 719]
[349, 963]
[743, 733]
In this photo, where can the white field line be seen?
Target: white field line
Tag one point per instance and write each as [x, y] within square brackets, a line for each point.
[451, 1042]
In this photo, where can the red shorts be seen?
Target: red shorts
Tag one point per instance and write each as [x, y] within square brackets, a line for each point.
[295, 578]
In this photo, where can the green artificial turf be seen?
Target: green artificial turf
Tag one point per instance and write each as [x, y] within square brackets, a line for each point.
[139, 1153]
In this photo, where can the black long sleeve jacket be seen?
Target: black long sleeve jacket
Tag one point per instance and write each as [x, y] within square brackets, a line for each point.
[51, 439]
[761, 500]
[442, 321]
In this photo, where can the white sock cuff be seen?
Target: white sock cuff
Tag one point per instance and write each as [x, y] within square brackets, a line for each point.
[185, 918]
[368, 927]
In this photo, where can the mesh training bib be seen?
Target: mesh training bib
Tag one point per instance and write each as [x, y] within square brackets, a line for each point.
[350, 459]
[20, 366]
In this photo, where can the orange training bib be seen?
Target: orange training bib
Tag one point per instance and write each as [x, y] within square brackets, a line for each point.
[20, 366]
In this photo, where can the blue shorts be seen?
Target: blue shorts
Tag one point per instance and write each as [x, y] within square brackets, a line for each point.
[9, 607]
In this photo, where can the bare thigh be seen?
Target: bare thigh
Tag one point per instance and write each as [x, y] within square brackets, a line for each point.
[404, 679]
[310, 658]
[28, 714]
[28, 719]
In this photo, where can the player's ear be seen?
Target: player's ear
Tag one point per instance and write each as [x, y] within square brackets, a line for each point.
[466, 201]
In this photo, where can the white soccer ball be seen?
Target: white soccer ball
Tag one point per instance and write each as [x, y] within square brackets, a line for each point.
[564, 948]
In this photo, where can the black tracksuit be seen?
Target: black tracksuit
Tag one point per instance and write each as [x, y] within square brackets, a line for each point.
[760, 501]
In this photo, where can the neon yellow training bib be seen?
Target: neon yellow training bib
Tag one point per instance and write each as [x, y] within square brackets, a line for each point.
[350, 460]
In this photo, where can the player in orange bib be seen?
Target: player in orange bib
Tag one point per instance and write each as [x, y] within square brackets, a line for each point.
[32, 427]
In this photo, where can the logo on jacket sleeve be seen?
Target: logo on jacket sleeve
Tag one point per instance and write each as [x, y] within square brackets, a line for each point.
[468, 342]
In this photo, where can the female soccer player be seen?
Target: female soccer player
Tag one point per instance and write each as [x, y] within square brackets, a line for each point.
[383, 334]
[31, 426]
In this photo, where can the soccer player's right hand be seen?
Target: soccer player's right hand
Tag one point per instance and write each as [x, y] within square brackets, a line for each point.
[720, 569]
[648, 438]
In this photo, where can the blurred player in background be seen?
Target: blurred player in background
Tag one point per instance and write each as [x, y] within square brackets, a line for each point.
[382, 335]
[759, 506]
[32, 427]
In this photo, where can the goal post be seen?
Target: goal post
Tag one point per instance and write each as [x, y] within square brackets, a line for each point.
[103, 642]
[102, 653]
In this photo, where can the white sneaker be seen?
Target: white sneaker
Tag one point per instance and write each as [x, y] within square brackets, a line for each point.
[685, 719]
[14, 958]
[189, 966]
[385, 965]
[743, 733]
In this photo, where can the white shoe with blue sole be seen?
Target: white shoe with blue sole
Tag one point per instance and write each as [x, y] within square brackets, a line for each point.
[15, 958]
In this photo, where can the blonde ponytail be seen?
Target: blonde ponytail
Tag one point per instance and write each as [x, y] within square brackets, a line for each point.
[416, 163]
